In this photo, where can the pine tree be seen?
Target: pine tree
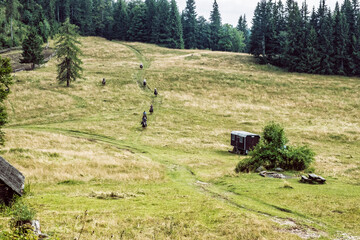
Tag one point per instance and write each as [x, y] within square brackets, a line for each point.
[348, 11]
[32, 50]
[175, 27]
[225, 43]
[120, 26]
[340, 41]
[203, 33]
[12, 13]
[257, 35]
[69, 68]
[163, 20]
[189, 25]
[312, 56]
[108, 20]
[5, 82]
[215, 26]
[293, 51]
[262, 39]
[137, 26]
[151, 15]
[242, 27]
[86, 18]
[325, 39]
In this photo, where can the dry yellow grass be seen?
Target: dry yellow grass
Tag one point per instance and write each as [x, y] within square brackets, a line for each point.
[76, 145]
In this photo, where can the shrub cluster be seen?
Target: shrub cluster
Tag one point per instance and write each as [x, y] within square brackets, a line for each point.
[272, 152]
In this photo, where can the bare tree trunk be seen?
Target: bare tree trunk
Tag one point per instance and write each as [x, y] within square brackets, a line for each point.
[12, 35]
[58, 14]
[263, 48]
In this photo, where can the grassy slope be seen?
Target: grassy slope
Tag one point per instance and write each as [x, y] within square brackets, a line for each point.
[175, 179]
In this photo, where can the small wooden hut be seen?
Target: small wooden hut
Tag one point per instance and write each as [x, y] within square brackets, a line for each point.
[243, 141]
[11, 181]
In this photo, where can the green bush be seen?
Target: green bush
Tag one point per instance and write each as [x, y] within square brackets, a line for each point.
[22, 212]
[271, 152]
[18, 234]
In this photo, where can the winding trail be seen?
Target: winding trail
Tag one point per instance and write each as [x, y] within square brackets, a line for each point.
[184, 172]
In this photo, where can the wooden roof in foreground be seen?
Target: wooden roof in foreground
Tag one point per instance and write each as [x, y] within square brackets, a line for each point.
[11, 176]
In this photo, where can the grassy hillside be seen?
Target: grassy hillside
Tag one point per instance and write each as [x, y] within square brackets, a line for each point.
[83, 149]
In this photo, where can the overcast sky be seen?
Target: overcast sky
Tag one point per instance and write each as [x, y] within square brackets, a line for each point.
[231, 10]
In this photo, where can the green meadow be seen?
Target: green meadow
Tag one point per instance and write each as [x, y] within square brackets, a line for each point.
[95, 173]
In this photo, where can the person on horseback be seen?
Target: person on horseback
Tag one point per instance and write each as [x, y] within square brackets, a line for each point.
[144, 120]
[151, 109]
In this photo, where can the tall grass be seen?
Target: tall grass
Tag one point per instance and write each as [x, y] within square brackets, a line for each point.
[72, 143]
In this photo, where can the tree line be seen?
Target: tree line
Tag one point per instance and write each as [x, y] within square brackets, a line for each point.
[317, 41]
[151, 21]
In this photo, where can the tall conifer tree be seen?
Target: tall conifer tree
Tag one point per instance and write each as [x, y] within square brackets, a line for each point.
[32, 50]
[340, 41]
[137, 27]
[69, 68]
[163, 21]
[189, 25]
[120, 26]
[175, 27]
[243, 27]
[215, 26]
[5, 82]
[151, 15]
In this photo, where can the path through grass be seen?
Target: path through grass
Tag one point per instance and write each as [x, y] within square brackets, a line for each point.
[83, 148]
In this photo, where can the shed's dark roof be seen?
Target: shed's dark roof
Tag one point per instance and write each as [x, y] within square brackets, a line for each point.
[243, 133]
[11, 176]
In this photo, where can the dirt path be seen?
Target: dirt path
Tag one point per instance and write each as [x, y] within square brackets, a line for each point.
[186, 176]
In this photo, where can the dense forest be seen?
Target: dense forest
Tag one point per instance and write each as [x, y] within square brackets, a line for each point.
[312, 41]
[152, 21]
[287, 35]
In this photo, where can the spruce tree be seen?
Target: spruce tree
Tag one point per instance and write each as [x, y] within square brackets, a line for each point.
[257, 35]
[137, 26]
[311, 54]
[32, 50]
[120, 26]
[325, 39]
[348, 11]
[151, 15]
[5, 82]
[225, 43]
[242, 27]
[163, 22]
[215, 26]
[203, 33]
[189, 25]
[12, 13]
[69, 68]
[175, 27]
[340, 41]
[294, 50]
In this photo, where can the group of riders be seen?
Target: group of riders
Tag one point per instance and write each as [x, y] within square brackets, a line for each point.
[151, 110]
[144, 117]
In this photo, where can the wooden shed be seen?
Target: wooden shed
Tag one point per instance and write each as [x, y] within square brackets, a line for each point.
[11, 181]
[243, 141]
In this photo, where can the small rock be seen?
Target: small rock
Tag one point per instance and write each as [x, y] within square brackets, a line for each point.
[263, 174]
[304, 179]
[278, 169]
[260, 169]
[313, 176]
